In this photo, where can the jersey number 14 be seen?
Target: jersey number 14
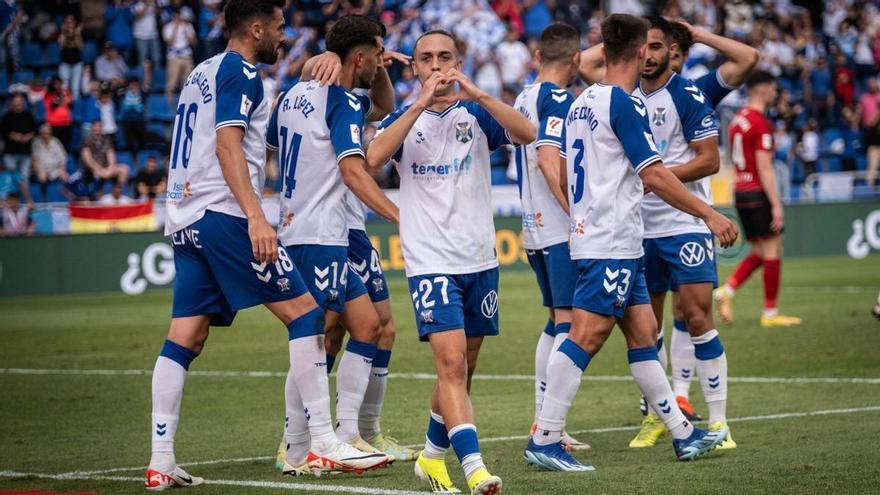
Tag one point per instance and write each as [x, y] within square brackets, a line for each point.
[289, 157]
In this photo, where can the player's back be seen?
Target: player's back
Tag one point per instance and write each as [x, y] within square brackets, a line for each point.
[750, 132]
[545, 223]
[608, 142]
[679, 114]
[222, 91]
[313, 128]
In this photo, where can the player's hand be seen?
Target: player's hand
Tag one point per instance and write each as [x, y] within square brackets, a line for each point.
[264, 242]
[777, 219]
[466, 89]
[426, 95]
[327, 68]
[389, 56]
[723, 228]
[694, 31]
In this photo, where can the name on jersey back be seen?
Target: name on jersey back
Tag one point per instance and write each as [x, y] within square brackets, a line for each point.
[200, 80]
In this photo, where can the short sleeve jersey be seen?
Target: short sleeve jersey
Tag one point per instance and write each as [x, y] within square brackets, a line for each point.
[750, 132]
[313, 128]
[224, 90]
[446, 216]
[607, 144]
[545, 223]
[679, 114]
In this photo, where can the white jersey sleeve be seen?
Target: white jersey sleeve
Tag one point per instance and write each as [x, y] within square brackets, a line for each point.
[607, 143]
[224, 90]
[314, 128]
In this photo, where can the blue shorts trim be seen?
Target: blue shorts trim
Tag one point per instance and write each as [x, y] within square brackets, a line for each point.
[364, 261]
[451, 302]
[326, 274]
[679, 259]
[556, 274]
[608, 287]
[217, 273]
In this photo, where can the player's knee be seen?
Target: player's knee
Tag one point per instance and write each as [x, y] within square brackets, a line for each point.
[697, 319]
[452, 367]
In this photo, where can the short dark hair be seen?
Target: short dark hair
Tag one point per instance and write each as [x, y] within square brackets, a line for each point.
[682, 36]
[353, 31]
[759, 77]
[436, 31]
[623, 35]
[661, 23]
[559, 42]
[237, 13]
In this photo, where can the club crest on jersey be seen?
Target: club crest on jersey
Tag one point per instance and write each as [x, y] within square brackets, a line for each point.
[489, 306]
[378, 285]
[283, 284]
[692, 254]
[463, 132]
[427, 316]
[287, 219]
[659, 117]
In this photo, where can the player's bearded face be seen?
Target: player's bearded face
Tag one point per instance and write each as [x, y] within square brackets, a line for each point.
[656, 55]
[373, 58]
[273, 37]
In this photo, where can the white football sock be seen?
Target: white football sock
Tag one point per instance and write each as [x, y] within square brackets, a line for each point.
[661, 350]
[371, 410]
[169, 376]
[712, 370]
[542, 357]
[649, 376]
[296, 428]
[352, 380]
[471, 463]
[681, 356]
[309, 367]
[564, 372]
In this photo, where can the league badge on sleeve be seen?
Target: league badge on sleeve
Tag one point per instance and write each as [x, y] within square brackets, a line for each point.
[554, 127]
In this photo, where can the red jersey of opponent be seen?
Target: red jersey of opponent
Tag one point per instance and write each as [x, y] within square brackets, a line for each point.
[750, 132]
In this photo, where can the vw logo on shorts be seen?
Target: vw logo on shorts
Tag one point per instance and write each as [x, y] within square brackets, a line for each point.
[692, 254]
[490, 304]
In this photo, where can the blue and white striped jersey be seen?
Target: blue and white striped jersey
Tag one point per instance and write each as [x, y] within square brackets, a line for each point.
[314, 128]
[222, 91]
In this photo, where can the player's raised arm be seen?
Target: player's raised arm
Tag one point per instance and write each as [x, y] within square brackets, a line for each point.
[382, 91]
[324, 69]
[741, 58]
[592, 66]
[520, 130]
[394, 129]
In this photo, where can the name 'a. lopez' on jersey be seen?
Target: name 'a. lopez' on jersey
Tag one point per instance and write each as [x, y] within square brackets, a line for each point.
[545, 223]
[314, 127]
[222, 91]
[679, 114]
[607, 143]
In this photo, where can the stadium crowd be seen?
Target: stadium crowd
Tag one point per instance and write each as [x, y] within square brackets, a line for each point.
[88, 89]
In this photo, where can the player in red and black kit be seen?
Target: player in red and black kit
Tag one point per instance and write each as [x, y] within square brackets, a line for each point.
[757, 201]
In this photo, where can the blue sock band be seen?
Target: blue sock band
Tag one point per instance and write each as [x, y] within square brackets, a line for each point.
[364, 349]
[709, 350]
[679, 325]
[464, 441]
[576, 353]
[642, 354]
[178, 353]
[659, 345]
[549, 328]
[437, 434]
[330, 360]
[382, 358]
[563, 328]
[311, 323]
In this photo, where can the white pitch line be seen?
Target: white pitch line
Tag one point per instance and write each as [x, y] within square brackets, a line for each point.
[427, 376]
[612, 429]
[241, 483]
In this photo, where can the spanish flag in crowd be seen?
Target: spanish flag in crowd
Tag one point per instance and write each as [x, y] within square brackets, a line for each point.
[96, 219]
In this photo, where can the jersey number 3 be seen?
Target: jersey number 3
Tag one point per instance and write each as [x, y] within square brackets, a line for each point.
[580, 173]
[289, 157]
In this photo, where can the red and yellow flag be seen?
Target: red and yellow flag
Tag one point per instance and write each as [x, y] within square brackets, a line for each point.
[96, 219]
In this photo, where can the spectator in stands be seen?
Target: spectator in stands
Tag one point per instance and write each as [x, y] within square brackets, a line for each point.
[513, 56]
[90, 111]
[509, 11]
[169, 7]
[13, 182]
[119, 18]
[18, 129]
[844, 85]
[49, 159]
[99, 157]
[783, 158]
[150, 182]
[70, 42]
[107, 110]
[15, 220]
[146, 38]
[179, 37]
[81, 186]
[536, 16]
[133, 114]
[11, 18]
[869, 111]
[109, 67]
[406, 85]
[115, 197]
[58, 103]
[211, 28]
[808, 147]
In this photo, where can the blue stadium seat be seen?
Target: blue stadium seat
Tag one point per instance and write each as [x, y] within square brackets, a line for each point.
[4, 82]
[499, 176]
[53, 55]
[72, 162]
[48, 73]
[76, 137]
[54, 193]
[40, 112]
[89, 52]
[159, 78]
[24, 76]
[158, 109]
[125, 157]
[31, 55]
[137, 72]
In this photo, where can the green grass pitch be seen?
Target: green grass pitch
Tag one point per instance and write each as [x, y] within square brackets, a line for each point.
[798, 436]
